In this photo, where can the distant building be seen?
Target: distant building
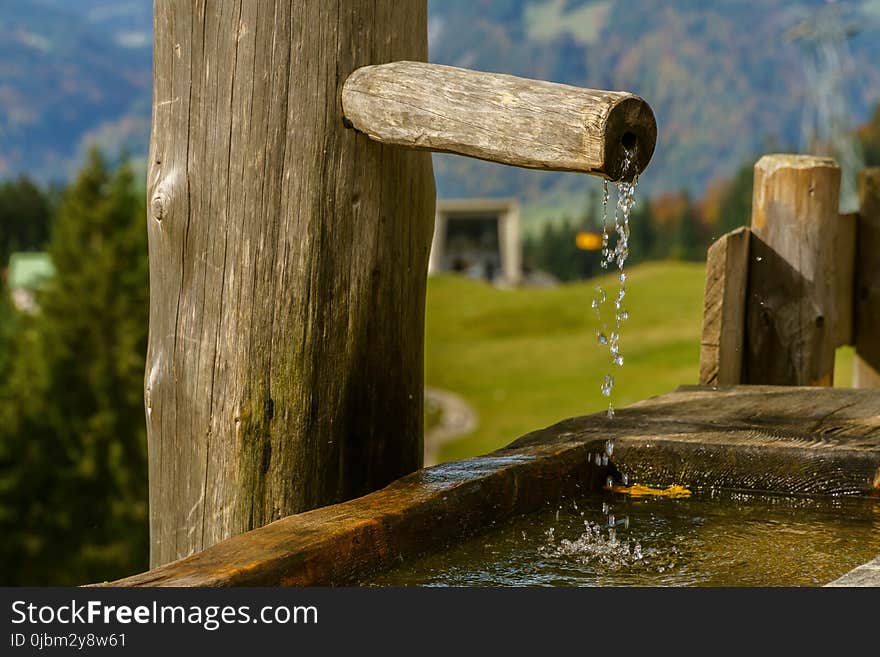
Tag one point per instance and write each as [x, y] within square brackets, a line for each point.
[479, 238]
[28, 272]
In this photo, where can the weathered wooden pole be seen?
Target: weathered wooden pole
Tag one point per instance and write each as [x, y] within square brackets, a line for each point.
[791, 322]
[288, 255]
[288, 258]
[866, 366]
[502, 118]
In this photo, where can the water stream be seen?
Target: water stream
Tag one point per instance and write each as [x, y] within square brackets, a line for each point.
[615, 250]
[612, 256]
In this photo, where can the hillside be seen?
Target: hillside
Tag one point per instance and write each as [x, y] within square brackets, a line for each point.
[725, 78]
[527, 358]
[74, 72]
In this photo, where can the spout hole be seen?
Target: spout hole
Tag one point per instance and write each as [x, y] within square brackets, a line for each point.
[628, 140]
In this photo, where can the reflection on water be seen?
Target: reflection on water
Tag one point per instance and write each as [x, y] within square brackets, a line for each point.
[717, 539]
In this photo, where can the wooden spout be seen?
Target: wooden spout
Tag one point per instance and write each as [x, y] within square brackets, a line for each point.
[501, 118]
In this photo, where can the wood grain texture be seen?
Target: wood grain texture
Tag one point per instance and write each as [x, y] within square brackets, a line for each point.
[791, 308]
[288, 259]
[724, 312]
[759, 438]
[501, 118]
[867, 312]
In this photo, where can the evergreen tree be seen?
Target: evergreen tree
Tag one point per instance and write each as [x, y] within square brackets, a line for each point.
[736, 205]
[73, 473]
[869, 138]
[642, 233]
[688, 245]
[24, 218]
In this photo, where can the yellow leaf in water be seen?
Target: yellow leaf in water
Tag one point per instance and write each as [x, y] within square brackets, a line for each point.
[638, 490]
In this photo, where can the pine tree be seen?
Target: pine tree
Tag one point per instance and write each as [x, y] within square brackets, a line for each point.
[24, 218]
[688, 245]
[73, 473]
[736, 206]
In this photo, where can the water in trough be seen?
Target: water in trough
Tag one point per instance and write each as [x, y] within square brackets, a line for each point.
[709, 539]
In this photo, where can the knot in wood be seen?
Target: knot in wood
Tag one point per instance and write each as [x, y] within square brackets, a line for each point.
[159, 205]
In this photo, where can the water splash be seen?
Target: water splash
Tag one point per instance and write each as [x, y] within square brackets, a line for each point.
[598, 544]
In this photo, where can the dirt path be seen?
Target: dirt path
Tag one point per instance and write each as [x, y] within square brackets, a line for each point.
[457, 418]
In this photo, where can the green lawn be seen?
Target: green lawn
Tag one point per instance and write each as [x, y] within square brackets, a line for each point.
[527, 358]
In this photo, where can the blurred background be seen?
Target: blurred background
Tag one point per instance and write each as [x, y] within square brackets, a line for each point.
[511, 337]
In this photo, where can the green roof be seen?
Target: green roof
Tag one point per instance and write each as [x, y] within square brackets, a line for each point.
[29, 270]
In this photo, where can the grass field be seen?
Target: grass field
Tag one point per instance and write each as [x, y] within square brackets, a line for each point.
[527, 358]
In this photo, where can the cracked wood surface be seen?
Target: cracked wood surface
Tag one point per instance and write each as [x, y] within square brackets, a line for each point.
[501, 118]
[791, 313]
[288, 258]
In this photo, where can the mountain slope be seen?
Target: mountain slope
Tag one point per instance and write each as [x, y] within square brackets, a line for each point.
[725, 78]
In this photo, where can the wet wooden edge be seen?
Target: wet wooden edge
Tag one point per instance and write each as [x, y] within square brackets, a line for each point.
[806, 441]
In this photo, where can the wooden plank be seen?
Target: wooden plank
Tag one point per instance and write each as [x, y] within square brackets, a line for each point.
[867, 322]
[760, 438]
[721, 345]
[288, 264]
[791, 312]
[501, 118]
[864, 376]
[844, 277]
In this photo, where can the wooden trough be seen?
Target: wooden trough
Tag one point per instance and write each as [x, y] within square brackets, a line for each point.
[793, 440]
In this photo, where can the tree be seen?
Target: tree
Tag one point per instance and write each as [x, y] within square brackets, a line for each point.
[688, 244]
[642, 233]
[24, 218]
[869, 136]
[73, 484]
[736, 204]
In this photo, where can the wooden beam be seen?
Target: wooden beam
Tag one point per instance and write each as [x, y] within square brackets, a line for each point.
[760, 438]
[724, 319]
[867, 322]
[501, 118]
[791, 317]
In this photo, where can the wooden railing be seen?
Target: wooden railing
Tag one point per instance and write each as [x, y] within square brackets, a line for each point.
[782, 295]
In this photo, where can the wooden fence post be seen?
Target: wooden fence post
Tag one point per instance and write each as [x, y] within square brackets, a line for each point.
[288, 259]
[791, 323]
[866, 366]
[724, 319]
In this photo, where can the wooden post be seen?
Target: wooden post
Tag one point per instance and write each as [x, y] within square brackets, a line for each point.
[288, 259]
[791, 309]
[527, 123]
[724, 317]
[866, 366]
